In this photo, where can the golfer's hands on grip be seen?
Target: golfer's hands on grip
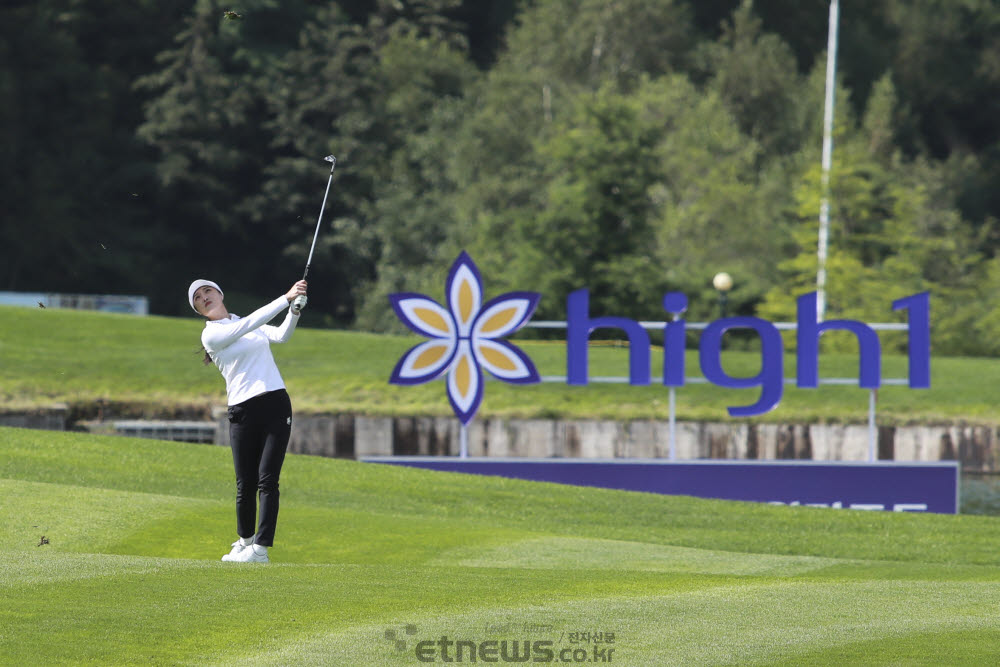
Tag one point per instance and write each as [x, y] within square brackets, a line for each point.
[297, 296]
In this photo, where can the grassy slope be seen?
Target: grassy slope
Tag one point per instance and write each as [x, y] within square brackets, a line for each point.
[136, 527]
[55, 355]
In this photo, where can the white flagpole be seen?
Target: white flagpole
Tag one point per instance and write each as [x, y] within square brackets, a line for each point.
[824, 207]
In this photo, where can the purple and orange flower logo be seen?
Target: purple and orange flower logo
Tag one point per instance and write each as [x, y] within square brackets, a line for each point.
[464, 338]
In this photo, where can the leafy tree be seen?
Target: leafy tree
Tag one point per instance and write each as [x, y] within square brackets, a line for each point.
[341, 91]
[594, 228]
[980, 315]
[207, 120]
[894, 231]
[37, 121]
[414, 208]
[79, 198]
[642, 192]
[716, 210]
[755, 74]
[947, 66]
[590, 42]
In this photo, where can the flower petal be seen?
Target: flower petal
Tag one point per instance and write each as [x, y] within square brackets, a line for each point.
[424, 362]
[423, 315]
[465, 383]
[505, 314]
[505, 361]
[464, 290]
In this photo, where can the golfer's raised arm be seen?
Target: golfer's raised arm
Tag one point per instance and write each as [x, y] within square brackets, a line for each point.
[283, 332]
[222, 334]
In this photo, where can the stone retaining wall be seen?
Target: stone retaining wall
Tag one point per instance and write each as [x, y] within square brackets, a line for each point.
[349, 436]
[354, 436]
[53, 418]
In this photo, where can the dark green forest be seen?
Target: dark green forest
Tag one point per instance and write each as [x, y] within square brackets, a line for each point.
[630, 146]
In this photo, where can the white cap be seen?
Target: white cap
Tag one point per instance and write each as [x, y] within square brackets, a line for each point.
[194, 287]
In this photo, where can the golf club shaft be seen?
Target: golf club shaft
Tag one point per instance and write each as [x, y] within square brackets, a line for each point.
[320, 219]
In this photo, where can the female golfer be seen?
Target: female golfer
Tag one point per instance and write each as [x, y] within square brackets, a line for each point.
[260, 413]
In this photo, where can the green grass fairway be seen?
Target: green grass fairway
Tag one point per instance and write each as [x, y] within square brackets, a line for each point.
[131, 573]
[154, 364]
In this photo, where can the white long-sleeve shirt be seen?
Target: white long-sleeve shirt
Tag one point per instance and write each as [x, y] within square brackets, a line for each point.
[241, 348]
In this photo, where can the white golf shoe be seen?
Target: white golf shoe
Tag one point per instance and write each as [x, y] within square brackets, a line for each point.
[255, 553]
[237, 549]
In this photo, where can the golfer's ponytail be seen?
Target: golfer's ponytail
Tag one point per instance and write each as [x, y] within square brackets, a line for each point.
[207, 359]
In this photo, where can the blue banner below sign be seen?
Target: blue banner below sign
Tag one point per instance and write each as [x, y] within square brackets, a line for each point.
[889, 486]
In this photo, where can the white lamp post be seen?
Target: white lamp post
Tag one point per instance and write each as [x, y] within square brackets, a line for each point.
[722, 282]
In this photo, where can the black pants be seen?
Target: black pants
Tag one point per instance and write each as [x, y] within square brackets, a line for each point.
[258, 434]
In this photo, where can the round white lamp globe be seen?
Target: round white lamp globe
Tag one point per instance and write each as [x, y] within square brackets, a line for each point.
[722, 282]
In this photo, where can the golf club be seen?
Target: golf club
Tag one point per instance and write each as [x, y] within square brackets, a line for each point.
[300, 301]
